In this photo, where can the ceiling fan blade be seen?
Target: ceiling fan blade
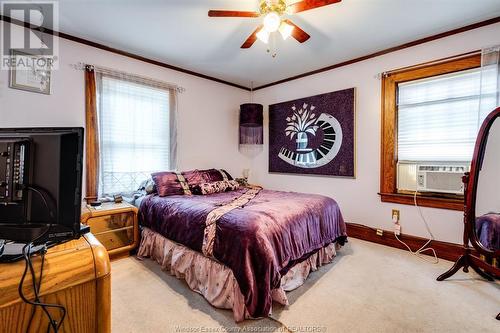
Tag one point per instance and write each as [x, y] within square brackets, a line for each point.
[252, 38]
[232, 13]
[304, 5]
[297, 33]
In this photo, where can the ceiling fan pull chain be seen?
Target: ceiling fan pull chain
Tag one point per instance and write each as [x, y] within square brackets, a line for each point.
[273, 50]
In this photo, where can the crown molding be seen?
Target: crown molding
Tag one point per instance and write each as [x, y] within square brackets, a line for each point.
[385, 51]
[207, 77]
[121, 52]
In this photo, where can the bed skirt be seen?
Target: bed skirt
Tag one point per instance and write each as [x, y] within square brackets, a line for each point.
[215, 281]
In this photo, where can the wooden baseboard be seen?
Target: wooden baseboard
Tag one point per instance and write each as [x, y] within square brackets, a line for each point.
[444, 250]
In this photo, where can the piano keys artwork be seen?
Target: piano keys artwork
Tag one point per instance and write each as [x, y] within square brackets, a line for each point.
[314, 135]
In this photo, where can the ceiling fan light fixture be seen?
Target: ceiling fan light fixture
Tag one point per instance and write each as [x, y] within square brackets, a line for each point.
[286, 30]
[263, 35]
[274, 15]
[272, 22]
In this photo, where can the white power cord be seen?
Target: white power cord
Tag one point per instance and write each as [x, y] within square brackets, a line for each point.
[419, 253]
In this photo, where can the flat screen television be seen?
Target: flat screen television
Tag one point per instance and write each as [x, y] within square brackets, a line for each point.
[40, 184]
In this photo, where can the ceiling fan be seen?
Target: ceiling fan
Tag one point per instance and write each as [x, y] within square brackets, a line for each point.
[274, 13]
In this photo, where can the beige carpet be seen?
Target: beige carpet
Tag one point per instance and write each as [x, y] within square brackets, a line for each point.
[368, 288]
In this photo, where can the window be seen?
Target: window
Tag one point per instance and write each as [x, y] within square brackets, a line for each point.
[130, 130]
[430, 117]
[134, 133]
[438, 117]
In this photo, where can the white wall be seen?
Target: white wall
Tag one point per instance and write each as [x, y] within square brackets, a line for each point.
[358, 197]
[207, 111]
[208, 118]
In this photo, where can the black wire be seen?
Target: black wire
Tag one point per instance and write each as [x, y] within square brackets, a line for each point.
[46, 204]
[33, 309]
[27, 259]
[37, 287]
[37, 290]
[57, 306]
[52, 323]
[28, 264]
[52, 218]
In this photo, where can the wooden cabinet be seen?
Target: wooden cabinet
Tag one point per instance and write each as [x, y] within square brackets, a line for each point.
[76, 275]
[114, 225]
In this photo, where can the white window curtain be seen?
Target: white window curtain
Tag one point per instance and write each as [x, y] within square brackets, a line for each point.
[490, 81]
[438, 117]
[137, 130]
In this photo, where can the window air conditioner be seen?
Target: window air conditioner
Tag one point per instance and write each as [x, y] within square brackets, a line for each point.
[432, 177]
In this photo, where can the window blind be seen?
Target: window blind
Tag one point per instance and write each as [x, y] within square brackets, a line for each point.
[439, 118]
[134, 133]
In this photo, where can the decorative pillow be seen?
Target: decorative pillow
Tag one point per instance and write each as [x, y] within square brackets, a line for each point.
[232, 185]
[196, 177]
[215, 175]
[193, 177]
[148, 186]
[215, 187]
[170, 183]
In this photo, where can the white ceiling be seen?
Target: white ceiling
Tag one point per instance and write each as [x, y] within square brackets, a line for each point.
[181, 34]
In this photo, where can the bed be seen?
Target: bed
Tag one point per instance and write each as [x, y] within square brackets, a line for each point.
[256, 250]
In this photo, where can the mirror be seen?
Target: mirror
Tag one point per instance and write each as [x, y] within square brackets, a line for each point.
[487, 212]
[482, 206]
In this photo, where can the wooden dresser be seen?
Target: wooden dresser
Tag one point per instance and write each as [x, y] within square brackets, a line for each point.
[114, 225]
[76, 275]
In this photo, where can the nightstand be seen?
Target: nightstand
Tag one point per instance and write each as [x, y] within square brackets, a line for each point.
[114, 225]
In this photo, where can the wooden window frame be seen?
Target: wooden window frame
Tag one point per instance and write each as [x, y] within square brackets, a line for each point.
[388, 159]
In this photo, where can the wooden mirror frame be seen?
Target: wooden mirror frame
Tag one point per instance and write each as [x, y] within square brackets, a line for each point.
[476, 167]
[469, 258]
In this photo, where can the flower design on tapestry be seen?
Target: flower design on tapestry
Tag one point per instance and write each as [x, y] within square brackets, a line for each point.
[302, 120]
[303, 124]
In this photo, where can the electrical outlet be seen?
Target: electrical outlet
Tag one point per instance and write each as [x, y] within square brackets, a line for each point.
[380, 232]
[395, 215]
[397, 229]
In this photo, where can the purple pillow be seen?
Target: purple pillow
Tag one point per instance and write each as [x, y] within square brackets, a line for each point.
[170, 183]
[196, 177]
[193, 177]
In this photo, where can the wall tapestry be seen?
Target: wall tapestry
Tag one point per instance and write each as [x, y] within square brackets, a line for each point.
[313, 135]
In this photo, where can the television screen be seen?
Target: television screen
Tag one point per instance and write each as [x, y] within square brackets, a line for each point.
[40, 183]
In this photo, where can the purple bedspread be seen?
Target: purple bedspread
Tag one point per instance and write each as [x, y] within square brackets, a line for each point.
[258, 242]
[488, 230]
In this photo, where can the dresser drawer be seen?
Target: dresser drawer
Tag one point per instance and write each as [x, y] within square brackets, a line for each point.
[110, 222]
[116, 238]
